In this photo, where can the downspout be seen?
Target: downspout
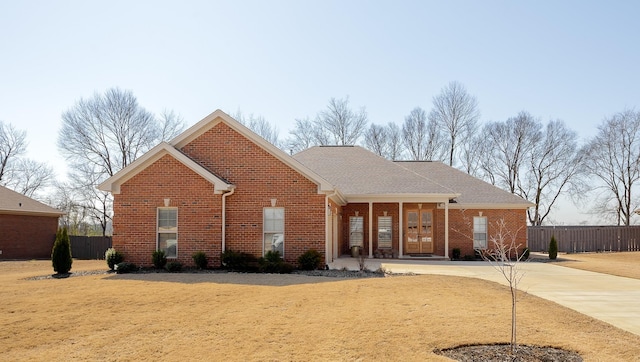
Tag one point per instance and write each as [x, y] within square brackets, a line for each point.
[224, 217]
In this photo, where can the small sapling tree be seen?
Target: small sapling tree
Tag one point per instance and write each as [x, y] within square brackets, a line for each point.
[504, 256]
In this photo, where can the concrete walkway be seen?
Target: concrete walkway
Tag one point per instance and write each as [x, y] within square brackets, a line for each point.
[612, 299]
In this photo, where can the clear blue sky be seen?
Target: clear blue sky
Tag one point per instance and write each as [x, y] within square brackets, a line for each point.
[578, 61]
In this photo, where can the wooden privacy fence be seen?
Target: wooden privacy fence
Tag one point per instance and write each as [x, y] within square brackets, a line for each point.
[89, 247]
[581, 239]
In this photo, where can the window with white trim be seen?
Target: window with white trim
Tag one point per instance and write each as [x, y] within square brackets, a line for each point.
[479, 232]
[356, 231]
[384, 231]
[168, 231]
[273, 230]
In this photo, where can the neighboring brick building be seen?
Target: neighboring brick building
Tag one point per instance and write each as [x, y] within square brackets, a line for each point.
[27, 227]
[219, 186]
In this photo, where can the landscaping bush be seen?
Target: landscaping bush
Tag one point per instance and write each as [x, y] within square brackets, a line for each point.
[174, 267]
[61, 252]
[200, 259]
[125, 267]
[455, 254]
[310, 260]
[237, 261]
[159, 259]
[525, 254]
[273, 263]
[553, 248]
[113, 257]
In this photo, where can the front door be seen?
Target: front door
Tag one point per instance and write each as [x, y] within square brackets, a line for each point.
[419, 232]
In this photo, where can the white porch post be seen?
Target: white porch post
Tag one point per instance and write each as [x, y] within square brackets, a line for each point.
[370, 229]
[446, 229]
[328, 232]
[400, 230]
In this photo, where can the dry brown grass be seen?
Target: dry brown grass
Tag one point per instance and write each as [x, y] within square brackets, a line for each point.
[282, 317]
[625, 264]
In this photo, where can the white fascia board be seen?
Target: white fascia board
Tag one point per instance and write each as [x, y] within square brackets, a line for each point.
[424, 198]
[214, 118]
[496, 206]
[112, 184]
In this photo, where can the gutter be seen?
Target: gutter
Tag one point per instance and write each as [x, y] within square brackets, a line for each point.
[224, 217]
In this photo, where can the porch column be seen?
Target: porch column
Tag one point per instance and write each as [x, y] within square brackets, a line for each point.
[446, 229]
[400, 230]
[370, 229]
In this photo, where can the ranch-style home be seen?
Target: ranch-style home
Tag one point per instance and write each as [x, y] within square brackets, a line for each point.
[219, 186]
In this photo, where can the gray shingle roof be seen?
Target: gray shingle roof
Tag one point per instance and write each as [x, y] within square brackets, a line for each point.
[473, 191]
[357, 171]
[15, 203]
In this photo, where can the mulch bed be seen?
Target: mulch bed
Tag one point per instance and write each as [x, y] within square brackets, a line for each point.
[502, 352]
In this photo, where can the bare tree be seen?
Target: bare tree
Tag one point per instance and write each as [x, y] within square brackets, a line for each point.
[341, 123]
[30, 176]
[376, 140]
[505, 256]
[304, 135]
[12, 144]
[260, 126]
[102, 135]
[456, 113]
[510, 144]
[555, 167]
[613, 157]
[18, 173]
[394, 138]
[421, 136]
[171, 125]
[474, 156]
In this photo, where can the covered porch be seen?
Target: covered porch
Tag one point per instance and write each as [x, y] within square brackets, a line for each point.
[412, 227]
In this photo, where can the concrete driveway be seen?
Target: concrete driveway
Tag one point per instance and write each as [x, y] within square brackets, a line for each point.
[612, 299]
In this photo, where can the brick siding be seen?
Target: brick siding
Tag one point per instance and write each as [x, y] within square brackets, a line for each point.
[258, 177]
[26, 236]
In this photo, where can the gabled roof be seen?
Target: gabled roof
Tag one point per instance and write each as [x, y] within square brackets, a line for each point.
[113, 183]
[474, 193]
[15, 203]
[219, 116]
[360, 174]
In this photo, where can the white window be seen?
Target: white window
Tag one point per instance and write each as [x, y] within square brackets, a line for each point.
[273, 230]
[479, 232]
[168, 231]
[356, 231]
[384, 231]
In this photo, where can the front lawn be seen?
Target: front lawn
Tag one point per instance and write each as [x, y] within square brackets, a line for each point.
[264, 317]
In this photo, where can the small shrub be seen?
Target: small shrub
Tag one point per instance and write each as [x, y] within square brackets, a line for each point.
[273, 256]
[174, 267]
[237, 261]
[61, 252]
[159, 259]
[310, 260]
[200, 259]
[125, 267]
[553, 248]
[455, 254]
[113, 257]
[272, 263]
[468, 257]
[525, 254]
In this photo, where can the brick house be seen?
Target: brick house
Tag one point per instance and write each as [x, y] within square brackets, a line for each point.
[27, 227]
[219, 186]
